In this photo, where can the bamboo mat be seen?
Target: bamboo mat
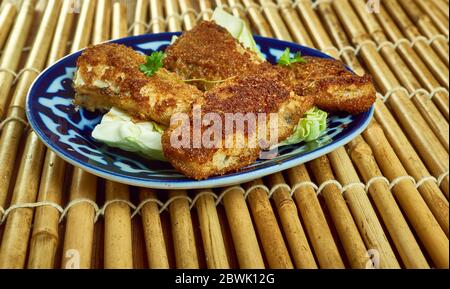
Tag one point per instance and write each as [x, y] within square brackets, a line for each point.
[381, 200]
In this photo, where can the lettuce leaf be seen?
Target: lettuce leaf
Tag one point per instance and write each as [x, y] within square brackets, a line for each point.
[237, 29]
[309, 128]
[117, 129]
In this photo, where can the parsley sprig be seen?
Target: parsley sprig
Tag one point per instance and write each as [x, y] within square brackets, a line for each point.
[286, 60]
[153, 62]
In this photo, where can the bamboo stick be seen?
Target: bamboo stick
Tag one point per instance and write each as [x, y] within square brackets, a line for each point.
[414, 125]
[174, 23]
[182, 232]
[84, 26]
[13, 50]
[361, 208]
[44, 241]
[242, 231]
[102, 21]
[391, 214]
[276, 22]
[296, 28]
[117, 245]
[213, 244]
[426, 26]
[206, 8]
[436, 15]
[156, 16]
[14, 244]
[332, 26]
[293, 230]
[6, 20]
[16, 3]
[119, 24]
[267, 227]
[427, 108]
[189, 19]
[421, 218]
[62, 34]
[79, 234]
[140, 16]
[313, 25]
[45, 236]
[260, 24]
[435, 64]
[80, 218]
[414, 62]
[442, 6]
[348, 232]
[316, 225]
[153, 233]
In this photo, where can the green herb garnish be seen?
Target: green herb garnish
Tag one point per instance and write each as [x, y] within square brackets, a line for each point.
[286, 60]
[153, 62]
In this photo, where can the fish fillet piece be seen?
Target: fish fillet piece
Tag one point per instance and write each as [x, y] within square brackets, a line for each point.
[254, 94]
[209, 52]
[333, 87]
[108, 75]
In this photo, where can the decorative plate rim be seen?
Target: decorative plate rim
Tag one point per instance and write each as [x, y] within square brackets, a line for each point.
[221, 181]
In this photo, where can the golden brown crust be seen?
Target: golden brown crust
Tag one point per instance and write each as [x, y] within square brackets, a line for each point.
[351, 93]
[108, 75]
[333, 87]
[247, 94]
[208, 51]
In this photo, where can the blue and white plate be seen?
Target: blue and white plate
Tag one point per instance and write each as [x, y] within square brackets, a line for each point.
[67, 130]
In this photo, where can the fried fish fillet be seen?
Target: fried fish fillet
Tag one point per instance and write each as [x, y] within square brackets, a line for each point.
[247, 95]
[108, 75]
[334, 87]
[209, 52]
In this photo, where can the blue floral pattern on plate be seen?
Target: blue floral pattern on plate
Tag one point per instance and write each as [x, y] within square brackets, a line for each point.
[67, 129]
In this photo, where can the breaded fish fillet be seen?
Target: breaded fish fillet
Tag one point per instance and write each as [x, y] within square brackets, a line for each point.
[209, 52]
[108, 75]
[334, 87]
[253, 94]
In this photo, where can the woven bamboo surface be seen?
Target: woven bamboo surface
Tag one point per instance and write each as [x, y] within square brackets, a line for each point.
[381, 200]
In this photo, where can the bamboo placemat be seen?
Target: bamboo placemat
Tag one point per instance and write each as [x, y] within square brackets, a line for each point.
[381, 200]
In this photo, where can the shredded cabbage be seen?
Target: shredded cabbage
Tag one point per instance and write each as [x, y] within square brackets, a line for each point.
[309, 128]
[117, 129]
[237, 29]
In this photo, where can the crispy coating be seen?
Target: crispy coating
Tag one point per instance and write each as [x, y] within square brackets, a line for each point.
[254, 94]
[209, 51]
[333, 87]
[108, 75]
